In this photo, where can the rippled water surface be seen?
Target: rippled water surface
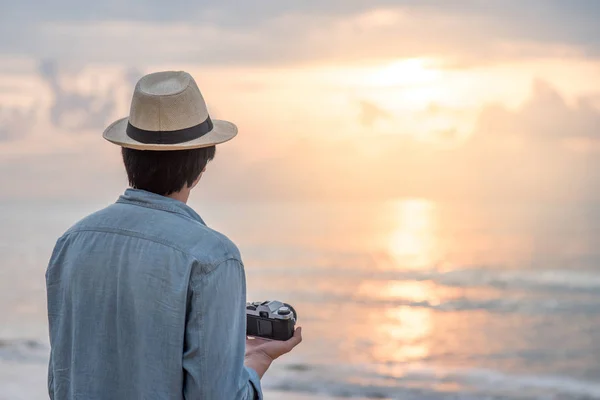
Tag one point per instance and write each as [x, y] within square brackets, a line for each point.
[404, 299]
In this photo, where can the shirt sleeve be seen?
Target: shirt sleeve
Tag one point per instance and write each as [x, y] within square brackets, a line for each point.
[215, 337]
[50, 378]
[57, 248]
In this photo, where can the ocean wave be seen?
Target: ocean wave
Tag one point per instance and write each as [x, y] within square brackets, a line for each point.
[503, 304]
[396, 381]
[507, 291]
[531, 279]
[586, 280]
[498, 305]
[23, 350]
[436, 383]
[522, 279]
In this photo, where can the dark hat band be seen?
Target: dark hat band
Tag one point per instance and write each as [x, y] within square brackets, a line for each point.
[169, 137]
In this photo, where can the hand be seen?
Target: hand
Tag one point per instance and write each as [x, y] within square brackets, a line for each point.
[273, 348]
[260, 353]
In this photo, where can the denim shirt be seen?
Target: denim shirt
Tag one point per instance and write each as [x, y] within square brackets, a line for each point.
[146, 302]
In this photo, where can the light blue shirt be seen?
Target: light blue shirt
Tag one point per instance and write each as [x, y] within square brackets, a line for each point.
[146, 302]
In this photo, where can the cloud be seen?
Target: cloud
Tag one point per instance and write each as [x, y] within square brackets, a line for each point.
[546, 116]
[67, 100]
[370, 113]
[15, 124]
[521, 155]
[545, 149]
[214, 32]
[74, 111]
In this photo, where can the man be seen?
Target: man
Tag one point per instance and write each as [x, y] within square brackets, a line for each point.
[144, 300]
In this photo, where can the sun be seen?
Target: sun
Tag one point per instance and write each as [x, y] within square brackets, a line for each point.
[411, 84]
[407, 72]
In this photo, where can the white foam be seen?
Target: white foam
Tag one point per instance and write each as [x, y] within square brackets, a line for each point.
[490, 379]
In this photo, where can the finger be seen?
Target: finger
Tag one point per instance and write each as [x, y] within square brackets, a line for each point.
[296, 339]
[255, 341]
[255, 338]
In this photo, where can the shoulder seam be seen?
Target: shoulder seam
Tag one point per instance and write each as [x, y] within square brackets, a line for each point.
[222, 242]
[125, 232]
[177, 212]
[216, 265]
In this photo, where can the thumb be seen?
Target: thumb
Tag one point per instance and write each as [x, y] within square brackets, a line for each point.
[296, 339]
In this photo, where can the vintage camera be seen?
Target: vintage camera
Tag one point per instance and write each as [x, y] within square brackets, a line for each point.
[270, 320]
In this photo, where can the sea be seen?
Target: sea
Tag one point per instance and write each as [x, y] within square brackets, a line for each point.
[400, 299]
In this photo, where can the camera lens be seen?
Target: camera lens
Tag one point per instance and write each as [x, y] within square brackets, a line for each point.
[264, 314]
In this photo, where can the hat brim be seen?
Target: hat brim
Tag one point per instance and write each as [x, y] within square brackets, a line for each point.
[222, 132]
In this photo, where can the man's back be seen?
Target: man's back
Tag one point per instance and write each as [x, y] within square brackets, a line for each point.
[145, 301]
[129, 288]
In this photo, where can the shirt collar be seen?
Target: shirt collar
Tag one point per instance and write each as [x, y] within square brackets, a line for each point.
[152, 200]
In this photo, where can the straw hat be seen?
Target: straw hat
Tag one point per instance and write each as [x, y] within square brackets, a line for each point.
[168, 112]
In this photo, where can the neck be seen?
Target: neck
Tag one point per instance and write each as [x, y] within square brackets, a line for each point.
[183, 195]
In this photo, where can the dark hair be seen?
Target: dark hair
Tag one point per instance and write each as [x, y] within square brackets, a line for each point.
[165, 172]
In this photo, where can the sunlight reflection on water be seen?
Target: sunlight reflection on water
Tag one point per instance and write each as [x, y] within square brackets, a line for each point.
[413, 242]
[402, 335]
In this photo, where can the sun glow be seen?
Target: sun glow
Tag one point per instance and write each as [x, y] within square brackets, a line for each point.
[413, 242]
[415, 97]
[409, 72]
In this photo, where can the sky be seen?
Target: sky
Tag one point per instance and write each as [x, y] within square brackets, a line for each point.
[341, 100]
